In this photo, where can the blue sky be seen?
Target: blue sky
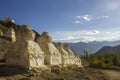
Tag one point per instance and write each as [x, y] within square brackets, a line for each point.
[67, 20]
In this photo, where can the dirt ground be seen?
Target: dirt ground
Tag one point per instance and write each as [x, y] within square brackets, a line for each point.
[114, 75]
[70, 73]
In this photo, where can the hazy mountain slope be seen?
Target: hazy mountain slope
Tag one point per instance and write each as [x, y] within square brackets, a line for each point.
[109, 49]
[91, 47]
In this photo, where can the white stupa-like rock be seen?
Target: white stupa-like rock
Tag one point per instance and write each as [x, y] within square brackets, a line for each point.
[53, 56]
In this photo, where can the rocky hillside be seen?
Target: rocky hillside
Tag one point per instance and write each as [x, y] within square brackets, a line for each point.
[109, 50]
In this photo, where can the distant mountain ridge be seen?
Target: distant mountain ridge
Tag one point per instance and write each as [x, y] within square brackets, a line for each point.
[109, 50]
[91, 47]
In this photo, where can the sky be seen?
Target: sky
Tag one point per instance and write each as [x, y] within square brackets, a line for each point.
[67, 20]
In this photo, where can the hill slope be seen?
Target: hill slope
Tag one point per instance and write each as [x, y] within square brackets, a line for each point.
[91, 47]
[109, 50]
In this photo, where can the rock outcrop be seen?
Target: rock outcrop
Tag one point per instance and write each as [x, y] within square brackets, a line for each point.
[53, 56]
[25, 33]
[70, 53]
[26, 54]
[10, 34]
[64, 54]
[73, 59]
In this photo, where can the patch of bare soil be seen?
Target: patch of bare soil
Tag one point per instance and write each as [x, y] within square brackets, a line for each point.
[114, 75]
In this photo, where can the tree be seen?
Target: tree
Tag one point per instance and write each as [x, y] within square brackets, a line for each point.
[116, 60]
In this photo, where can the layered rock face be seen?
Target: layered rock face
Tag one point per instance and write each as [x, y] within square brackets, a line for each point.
[26, 54]
[52, 55]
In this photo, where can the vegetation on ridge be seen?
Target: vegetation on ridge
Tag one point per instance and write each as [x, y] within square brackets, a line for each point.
[103, 60]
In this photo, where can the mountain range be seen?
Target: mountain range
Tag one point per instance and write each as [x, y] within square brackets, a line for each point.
[91, 47]
[109, 50]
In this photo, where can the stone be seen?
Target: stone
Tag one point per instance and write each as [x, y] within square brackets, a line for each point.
[24, 33]
[26, 54]
[53, 56]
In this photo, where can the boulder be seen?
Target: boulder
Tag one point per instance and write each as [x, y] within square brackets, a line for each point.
[26, 54]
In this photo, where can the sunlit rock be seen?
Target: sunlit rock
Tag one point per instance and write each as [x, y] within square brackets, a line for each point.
[10, 34]
[53, 56]
[26, 54]
[24, 33]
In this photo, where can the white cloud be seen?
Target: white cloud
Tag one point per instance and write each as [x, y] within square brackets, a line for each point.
[76, 39]
[78, 22]
[93, 32]
[81, 19]
[78, 17]
[108, 32]
[85, 17]
[70, 37]
[87, 36]
[96, 31]
[104, 16]
[75, 33]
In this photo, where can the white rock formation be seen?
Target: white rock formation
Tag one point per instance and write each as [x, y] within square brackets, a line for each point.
[10, 34]
[26, 54]
[53, 56]
[73, 59]
[78, 61]
[24, 33]
[71, 55]
[64, 54]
